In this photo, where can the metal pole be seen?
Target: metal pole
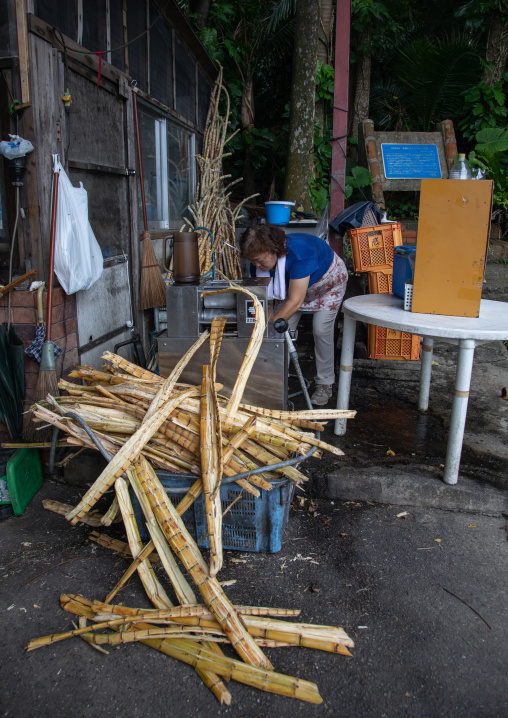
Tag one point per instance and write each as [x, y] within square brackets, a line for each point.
[425, 373]
[346, 370]
[459, 410]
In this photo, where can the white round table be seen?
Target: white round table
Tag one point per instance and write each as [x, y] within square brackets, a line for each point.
[387, 310]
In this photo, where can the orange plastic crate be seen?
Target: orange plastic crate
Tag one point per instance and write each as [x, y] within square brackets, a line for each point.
[380, 282]
[386, 343]
[372, 247]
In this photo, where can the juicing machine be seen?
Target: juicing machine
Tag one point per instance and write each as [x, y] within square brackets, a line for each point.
[189, 313]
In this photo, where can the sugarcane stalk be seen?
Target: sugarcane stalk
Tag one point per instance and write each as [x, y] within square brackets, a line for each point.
[67, 600]
[155, 591]
[183, 591]
[265, 680]
[111, 513]
[210, 472]
[167, 387]
[252, 349]
[212, 593]
[145, 553]
[125, 456]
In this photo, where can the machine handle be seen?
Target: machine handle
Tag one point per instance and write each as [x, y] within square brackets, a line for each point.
[280, 325]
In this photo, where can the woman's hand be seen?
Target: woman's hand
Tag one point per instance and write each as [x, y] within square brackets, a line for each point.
[295, 298]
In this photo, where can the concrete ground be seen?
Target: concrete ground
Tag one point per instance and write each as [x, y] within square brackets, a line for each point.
[414, 570]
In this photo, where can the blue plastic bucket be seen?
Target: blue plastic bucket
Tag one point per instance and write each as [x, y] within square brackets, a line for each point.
[278, 212]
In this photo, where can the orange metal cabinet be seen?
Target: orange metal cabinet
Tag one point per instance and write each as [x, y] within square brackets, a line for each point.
[453, 231]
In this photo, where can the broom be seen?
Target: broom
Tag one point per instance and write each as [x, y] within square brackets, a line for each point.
[152, 290]
[47, 382]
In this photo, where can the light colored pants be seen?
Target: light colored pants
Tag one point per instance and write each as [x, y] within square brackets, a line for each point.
[323, 323]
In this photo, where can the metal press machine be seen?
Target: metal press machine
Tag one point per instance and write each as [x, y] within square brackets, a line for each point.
[189, 313]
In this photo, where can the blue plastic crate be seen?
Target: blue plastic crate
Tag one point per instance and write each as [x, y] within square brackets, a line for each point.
[176, 487]
[401, 269]
[252, 524]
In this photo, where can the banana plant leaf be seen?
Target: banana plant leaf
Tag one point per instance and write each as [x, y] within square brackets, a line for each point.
[12, 381]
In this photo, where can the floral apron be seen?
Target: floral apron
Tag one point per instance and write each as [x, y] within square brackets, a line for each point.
[327, 294]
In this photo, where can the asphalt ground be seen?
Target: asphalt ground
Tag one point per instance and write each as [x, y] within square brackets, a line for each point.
[369, 546]
[423, 595]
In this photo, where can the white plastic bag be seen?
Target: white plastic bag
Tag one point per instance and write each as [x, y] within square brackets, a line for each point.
[15, 147]
[78, 257]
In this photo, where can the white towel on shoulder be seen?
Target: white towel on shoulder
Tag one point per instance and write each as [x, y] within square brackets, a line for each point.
[276, 288]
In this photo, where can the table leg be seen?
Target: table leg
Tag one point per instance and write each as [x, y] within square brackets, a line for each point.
[425, 372]
[346, 369]
[459, 410]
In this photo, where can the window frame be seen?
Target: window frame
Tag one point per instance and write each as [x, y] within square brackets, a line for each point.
[161, 162]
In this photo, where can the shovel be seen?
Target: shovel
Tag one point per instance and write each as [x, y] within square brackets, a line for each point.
[34, 350]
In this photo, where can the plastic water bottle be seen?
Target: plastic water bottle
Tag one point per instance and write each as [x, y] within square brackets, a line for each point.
[460, 169]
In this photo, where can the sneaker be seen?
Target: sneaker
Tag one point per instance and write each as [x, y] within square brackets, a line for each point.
[322, 394]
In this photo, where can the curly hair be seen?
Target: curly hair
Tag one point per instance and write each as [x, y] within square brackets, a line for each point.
[260, 238]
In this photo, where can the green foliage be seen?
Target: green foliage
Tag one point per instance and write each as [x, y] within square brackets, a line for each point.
[426, 84]
[484, 106]
[476, 12]
[366, 13]
[397, 209]
[325, 75]
[490, 155]
[319, 185]
[493, 140]
[360, 177]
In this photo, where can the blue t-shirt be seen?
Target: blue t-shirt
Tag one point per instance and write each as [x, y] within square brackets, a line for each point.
[308, 256]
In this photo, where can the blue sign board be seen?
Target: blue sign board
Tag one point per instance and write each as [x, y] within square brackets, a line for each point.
[411, 161]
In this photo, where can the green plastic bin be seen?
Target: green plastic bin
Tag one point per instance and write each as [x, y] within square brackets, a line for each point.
[22, 480]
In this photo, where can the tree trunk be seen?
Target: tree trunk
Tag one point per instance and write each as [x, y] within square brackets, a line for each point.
[324, 53]
[362, 89]
[201, 7]
[303, 92]
[497, 48]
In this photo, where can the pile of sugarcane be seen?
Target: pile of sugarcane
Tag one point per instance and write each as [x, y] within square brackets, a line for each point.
[144, 421]
[212, 207]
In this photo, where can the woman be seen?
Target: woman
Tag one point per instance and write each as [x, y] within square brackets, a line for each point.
[315, 281]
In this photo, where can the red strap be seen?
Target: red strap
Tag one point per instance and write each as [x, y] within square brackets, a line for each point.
[100, 53]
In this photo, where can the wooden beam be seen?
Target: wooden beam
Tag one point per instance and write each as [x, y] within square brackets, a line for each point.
[21, 28]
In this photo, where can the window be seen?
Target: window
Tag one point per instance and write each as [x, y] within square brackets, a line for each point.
[169, 169]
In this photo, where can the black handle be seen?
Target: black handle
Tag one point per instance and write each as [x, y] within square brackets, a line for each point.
[280, 325]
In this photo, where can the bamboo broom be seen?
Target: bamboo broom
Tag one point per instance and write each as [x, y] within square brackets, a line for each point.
[152, 290]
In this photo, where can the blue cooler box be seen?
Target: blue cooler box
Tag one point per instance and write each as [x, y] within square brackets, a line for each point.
[401, 269]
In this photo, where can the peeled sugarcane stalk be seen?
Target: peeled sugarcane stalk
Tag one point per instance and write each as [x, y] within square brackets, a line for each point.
[111, 513]
[145, 553]
[199, 657]
[155, 592]
[182, 589]
[239, 438]
[70, 600]
[125, 457]
[210, 472]
[57, 507]
[212, 593]
[253, 348]
[117, 546]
